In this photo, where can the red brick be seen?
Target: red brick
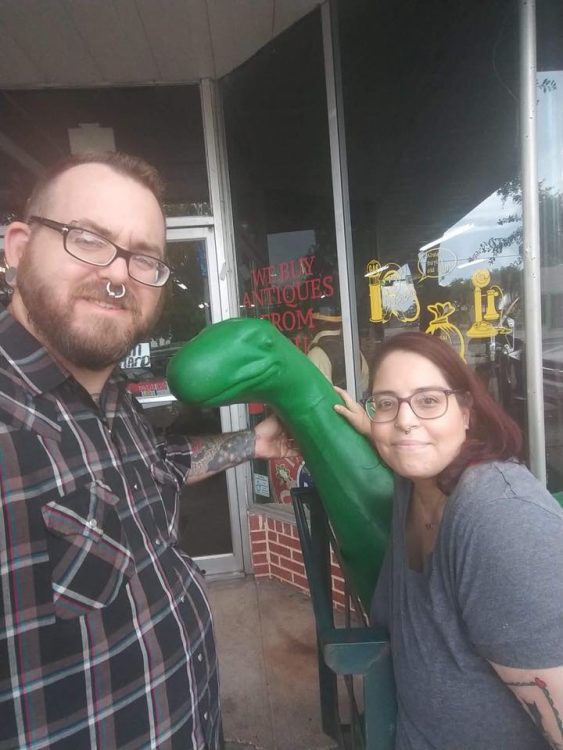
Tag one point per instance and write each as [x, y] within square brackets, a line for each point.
[301, 581]
[339, 598]
[261, 570]
[274, 559]
[296, 554]
[279, 549]
[295, 567]
[285, 562]
[260, 558]
[289, 541]
[255, 522]
[337, 586]
[259, 547]
[336, 571]
[289, 528]
[284, 575]
[272, 536]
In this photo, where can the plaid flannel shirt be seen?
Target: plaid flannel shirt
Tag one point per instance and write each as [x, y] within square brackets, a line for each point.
[106, 639]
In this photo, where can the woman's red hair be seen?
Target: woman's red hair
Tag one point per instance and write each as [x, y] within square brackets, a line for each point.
[492, 435]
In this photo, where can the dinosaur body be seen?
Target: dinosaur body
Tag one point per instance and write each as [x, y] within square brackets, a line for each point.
[243, 360]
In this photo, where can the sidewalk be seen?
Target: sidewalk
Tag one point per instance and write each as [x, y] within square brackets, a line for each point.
[268, 666]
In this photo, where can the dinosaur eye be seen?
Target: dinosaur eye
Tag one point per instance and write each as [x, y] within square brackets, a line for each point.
[268, 342]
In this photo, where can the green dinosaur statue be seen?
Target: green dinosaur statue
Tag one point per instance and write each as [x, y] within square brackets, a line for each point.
[242, 360]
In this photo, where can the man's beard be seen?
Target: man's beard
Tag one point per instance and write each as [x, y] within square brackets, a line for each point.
[100, 342]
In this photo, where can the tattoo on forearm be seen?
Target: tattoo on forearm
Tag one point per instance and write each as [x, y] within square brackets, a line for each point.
[533, 708]
[215, 453]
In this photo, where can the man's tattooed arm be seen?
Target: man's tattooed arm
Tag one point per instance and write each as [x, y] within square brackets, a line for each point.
[215, 453]
[218, 452]
[541, 697]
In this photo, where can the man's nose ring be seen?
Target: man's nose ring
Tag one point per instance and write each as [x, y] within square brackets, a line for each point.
[115, 293]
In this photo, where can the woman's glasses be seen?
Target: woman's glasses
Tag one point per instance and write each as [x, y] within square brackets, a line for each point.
[427, 403]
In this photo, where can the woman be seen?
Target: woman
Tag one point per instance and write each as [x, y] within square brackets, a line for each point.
[471, 589]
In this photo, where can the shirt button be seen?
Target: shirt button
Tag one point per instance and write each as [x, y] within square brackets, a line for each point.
[135, 486]
[157, 542]
[92, 523]
[205, 716]
[200, 657]
[182, 599]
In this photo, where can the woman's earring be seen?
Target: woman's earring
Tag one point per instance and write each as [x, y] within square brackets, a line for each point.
[10, 276]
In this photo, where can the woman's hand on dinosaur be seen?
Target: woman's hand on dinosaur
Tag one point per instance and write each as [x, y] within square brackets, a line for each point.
[353, 412]
[272, 441]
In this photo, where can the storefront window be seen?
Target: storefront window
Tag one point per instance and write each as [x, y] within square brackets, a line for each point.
[279, 164]
[550, 176]
[431, 116]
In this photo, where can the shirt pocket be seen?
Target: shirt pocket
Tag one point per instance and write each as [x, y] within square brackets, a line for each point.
[88, 553]
[168, 488]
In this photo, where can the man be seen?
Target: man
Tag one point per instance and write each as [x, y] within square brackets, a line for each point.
[106, 638]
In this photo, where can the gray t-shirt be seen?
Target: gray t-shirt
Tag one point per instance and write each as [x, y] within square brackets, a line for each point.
[491, 589]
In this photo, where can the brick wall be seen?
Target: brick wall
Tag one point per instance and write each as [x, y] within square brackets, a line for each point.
[276, 552]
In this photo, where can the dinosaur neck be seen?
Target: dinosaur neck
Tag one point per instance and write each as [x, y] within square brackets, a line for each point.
[304, 394]
[306, 407]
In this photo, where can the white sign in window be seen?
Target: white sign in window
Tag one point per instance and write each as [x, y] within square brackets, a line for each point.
[138, 357]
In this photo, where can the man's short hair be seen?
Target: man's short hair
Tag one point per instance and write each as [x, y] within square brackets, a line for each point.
[130, 166]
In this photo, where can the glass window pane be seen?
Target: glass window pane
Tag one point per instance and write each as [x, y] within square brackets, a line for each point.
[279, 163]
[550, 176]
[431, 115]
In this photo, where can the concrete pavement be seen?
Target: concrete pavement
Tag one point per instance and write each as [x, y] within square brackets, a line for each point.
[268, 666]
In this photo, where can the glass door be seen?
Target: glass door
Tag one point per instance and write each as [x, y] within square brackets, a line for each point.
[209, 525]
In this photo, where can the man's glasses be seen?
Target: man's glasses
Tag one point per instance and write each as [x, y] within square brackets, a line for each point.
[428, 403]
[96, 250]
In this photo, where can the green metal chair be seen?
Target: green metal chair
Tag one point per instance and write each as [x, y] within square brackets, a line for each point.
[345, 651]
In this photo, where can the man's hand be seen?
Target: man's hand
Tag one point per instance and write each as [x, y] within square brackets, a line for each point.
[353, 412]
[272, 441]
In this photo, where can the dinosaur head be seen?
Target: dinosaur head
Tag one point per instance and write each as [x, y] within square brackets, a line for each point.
[235, 361]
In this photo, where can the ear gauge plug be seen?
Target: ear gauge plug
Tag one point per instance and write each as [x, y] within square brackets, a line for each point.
[10, 276]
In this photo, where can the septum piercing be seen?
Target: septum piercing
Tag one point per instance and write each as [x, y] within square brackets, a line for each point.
[112, 293]
[406, 430]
